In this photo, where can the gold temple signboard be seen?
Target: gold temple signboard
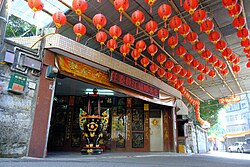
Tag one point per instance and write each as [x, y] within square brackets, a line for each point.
[82, 70]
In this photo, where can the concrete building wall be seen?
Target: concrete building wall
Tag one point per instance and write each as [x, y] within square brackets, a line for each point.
[16, 113]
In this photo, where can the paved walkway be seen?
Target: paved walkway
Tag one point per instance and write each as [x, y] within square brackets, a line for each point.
[124, 159]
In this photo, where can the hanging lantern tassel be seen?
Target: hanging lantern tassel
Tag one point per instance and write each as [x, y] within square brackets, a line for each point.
[136, 30]
[181, 2]
[120, 16]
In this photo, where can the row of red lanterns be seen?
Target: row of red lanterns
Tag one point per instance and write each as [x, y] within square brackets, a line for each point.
[234, 10]
[99, 20]
[207, 26]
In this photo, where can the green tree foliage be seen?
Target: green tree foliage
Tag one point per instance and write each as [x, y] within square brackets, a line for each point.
[209, 111]
[216, 130]
[17, 27]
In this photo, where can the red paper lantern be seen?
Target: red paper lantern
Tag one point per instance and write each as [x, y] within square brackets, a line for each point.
[150, 3]
[128, 39]
[224, 72]
[124, 49]
[227, 53]
[199, 16]
[206, 70]
[199, 47]
[152, 50]
[188, 58]
[115, 32]
[59, 19]
[246, 44]
[207, 26]
[195, 63]
[162, 35]
[236, 69]
[190, 81]
[151, 28]
[164, 11]
[201, 77]
[236, 61]
[221, 45]
[181, 51]
[239, 22]
[172, 42]
[190, 6]
[137, 18]
[218, 63]
[243, 34]
[80, 30]
[121, 6]
[212, 73]
[168, 75]
[101, 37]
[99, 21]
[112, 45]
[144, 62]
[176, 69]
[213, 59]
[236, 11]
[246, 50]
[140, 46]
[232, 58]
[192, 37]
[161, 58]
[224, 66]
[214, 36]
[175, 23]
[183, 72]
[35, 5]
[206, 54]
[174, 78]
[248, 64]
[161, 72]
[79, 6]
[248, 56]
[189, 73]
[169, 65]
[180, 83]
[200, 67]
[184, 30]
[153, 68]
[229, 4]
[135, 54]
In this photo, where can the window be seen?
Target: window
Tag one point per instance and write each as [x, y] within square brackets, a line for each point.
[244, 104]
[234, 107]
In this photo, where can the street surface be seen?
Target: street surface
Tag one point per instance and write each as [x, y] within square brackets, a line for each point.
[149, 159]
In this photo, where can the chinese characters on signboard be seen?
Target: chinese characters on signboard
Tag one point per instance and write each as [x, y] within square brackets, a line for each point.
[133, 83]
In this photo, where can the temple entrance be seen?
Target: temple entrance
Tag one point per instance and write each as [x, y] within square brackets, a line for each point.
[156, 130]
[71, 97]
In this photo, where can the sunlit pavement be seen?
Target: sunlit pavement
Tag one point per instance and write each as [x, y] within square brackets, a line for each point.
[148, 159]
